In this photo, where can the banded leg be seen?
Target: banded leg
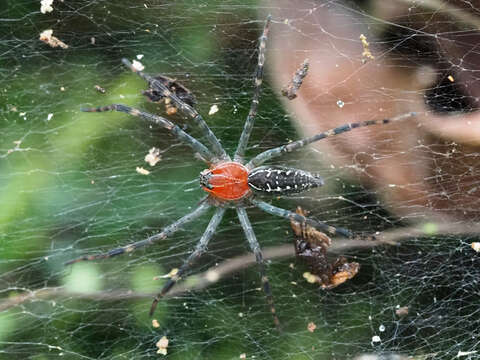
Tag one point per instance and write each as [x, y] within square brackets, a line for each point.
[247, 129]
[331, 230]
[295, 145]
[181, 135]
[167, 231]
[200, 248]
[184, 107]
[252, 241]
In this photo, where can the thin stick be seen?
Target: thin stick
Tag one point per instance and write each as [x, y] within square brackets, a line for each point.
[216, 273]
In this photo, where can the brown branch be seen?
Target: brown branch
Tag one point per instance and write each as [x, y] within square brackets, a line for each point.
[222, 270]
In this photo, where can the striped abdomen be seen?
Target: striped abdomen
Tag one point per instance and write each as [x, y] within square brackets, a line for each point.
[279, 180]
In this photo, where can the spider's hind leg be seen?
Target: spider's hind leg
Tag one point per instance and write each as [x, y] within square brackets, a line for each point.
[331, 230]
[200, 248]
[167, 231]
[255, 246]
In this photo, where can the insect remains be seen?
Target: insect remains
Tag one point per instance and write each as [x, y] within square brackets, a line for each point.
[311, 247]
[175, 87]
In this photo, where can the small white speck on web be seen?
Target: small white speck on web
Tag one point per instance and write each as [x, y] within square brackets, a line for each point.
[142, 171]
[140, 56]
[476, 246]
[47, 37]
[465, 353]
[137, 65]
[381, 328]
[376, 339]
[49, 116]
[340, 104]
[153, 156]
[311, 326]
[46, 6]
[212, 276]
[213, 109]
[162, 345]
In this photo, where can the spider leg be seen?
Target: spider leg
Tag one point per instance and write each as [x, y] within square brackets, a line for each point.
[181, 135]
[301, 219]
[272, 153]
[200, 248]
[255, 247]
[247, 129]
[167, 231]
[184, 107]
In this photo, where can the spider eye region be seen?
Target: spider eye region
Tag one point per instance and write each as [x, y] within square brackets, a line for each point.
[226, 181]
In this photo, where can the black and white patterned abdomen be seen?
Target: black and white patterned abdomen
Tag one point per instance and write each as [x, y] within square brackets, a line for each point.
[280, 180]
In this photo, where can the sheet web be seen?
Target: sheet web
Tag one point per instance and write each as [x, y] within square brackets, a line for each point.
[69, 184]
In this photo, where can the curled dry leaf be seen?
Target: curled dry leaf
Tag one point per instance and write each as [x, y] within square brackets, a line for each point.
[290, 90]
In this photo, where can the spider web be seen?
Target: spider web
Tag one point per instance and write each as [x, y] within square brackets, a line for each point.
[69, 185]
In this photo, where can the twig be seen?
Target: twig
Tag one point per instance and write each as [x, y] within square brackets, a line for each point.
[214, 274]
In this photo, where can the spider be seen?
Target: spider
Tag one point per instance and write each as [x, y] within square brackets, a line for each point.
[231, 183]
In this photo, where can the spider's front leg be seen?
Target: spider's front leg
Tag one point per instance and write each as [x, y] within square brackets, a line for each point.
[248, 126]
[164, 91]
[205, 154]
[296, 145]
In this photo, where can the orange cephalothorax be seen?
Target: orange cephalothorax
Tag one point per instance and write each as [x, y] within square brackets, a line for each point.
[226, 181]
